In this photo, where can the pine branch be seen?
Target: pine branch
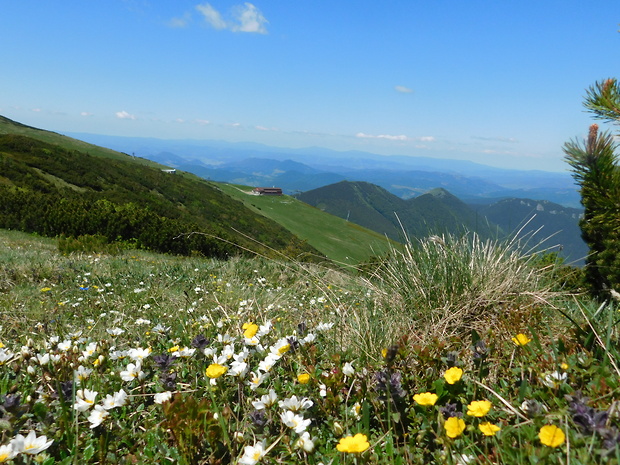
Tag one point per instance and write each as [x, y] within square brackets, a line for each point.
[603, 100]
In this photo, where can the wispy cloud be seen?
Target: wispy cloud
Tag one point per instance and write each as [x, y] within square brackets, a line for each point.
[124, 115]
[362, 135]
[203, 122]
[400, 137]
[511, 140]
[403, 89]
[85, 113]
[264, 128]
[180, 22]
[212, 16]
[243, 18]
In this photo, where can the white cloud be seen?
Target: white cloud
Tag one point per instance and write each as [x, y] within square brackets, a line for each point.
[36, 110]
[85, 113]
[361, 135]
[124, 115]
[511, 140]
[203, 122]
[263, 128]
[245, 18]
[250, 19]
[403, 89]
[426, 139]
[212, 16]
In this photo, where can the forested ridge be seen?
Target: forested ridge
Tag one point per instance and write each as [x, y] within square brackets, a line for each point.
[54, 191]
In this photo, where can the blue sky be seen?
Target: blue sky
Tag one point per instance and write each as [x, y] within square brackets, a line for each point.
[496, 81]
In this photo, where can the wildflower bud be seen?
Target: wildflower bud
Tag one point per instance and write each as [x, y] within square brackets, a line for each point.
[239, 437]
[30, 370]
[30, 342]
[338, 430]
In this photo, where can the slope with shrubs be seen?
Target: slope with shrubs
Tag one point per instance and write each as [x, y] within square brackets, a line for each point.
[55, 191]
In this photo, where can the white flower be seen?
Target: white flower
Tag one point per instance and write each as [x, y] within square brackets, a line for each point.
[90, 349]
[133, 371]
[348, 370]
[356, 410]
[30, 444]
[84, 399]
[295, 404]
[7, 453]
[139, 353]
[64, 346]
[252, 454]
[323, 390]
[184, 352]
[324, 326]
[256, 379]
[97, 416]
[266, 400]
[5, 355]
[267, 364]
[238, 369]
[162, 397]
[117, 400]
[43, 359]
[294, 421]
[305, 442]
[82, 373]
[115, 331]
[553, 380]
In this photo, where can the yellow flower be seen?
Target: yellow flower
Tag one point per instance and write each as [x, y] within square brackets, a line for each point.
[284, 349]
[521, 339]
[250, 330]
[384, 352]
[426, 398]
[353, 444]
[173, 349]
[488, 429]
[452, 375]
[551, 435]
[46, 289]
[564, 366]
[454, 427]
[215, 370]
[303, 378]
[478, 408]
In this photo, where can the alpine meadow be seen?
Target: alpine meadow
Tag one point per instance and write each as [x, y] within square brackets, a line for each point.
[150, 316]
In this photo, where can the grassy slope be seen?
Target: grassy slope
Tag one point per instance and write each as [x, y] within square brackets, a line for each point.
[8, 126]
[340, 240]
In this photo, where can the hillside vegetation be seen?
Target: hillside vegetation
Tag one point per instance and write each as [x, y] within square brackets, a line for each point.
[52, 190]
[455, 351]
[343, 241]
[371, 206]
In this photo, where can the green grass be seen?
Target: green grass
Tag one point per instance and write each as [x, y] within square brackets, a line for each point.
[131, 327]
[338, 239]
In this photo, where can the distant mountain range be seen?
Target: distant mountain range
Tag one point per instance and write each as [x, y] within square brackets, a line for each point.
[299, 170]
[540, 224]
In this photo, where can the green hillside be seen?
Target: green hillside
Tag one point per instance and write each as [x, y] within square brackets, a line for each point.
[341, 240]
[56, 190]
[436, 212]
[8, 126]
